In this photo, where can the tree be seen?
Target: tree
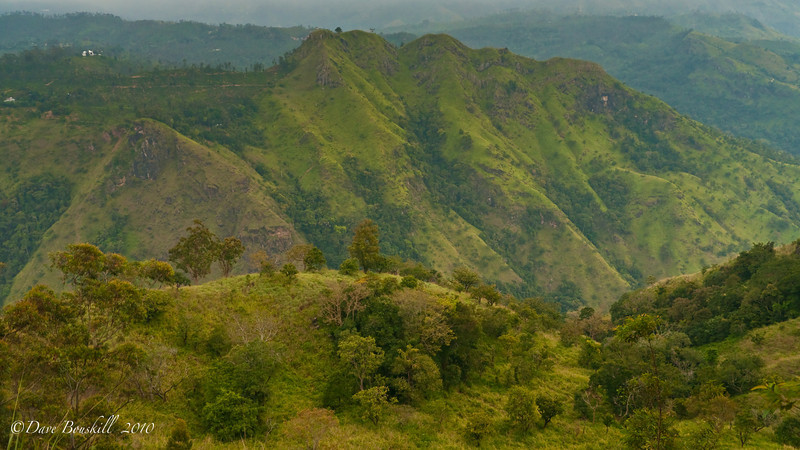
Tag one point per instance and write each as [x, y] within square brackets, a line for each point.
[521, 408]
[195, 253]
[647, 427]
[348, 267]
[341, 301]
[420, 374]
[788, 431]
[298, 252]
[486, 292]
[549, 408]
[361, 356]
[652, 425]
[230, 250]
[365, 246]
[466, 277]
[231, 416]
[479, 425]
[751, 420]
[314, 259]
[374, 402]
[289, 271]
[157, 271]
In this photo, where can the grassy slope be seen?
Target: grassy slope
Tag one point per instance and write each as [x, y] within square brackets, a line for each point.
[522, 142]
[532, 172]
[152, 182]
[309, 356]
[746, 85]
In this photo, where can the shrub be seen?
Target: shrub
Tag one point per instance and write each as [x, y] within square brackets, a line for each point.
[179, 437]
[479, 425]
[521, 408]
[374, 402]
[231, 416]
[349, 267]
[788, 432]
[409, 281]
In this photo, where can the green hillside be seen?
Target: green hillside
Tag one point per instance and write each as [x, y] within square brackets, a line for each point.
[725, 70]
[325, 360]
[549, 178]
[745, 83]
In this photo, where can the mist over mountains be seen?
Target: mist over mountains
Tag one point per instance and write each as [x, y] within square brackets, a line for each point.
[362, 14]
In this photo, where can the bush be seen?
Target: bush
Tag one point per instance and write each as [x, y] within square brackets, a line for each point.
[521, 408]
[549, 408]
[349, 267]
[788, 432]
[179, 437]
[374, 402]
[314, 260]
[479, 425]
[231, 416]
[409, 281]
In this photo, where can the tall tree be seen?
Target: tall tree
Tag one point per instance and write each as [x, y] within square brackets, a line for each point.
[195, 253]
[365, 245]
[361, 356]
[230, 250]
[648, 425]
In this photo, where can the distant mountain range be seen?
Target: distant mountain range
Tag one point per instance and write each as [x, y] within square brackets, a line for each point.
[726, 70]
[550, 178]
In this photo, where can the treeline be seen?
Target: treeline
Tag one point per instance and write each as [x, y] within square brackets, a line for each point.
[118, 336]
[168, 44]
[25, 214]
[759, 287]
[646, 377]
[115, 341]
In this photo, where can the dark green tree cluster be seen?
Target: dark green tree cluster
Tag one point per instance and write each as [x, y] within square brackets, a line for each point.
[400, 344]
[759, 287]
[25, 214]
[236, 389]
[195, 252]
[647, 376]
[67, 351]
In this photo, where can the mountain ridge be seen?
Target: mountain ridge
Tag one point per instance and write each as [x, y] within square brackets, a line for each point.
[549, 177]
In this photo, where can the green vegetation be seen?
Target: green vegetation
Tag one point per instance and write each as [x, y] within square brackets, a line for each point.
[170, 44]
[549, 179]
[758, 288]
[728, 71]
[340, 360]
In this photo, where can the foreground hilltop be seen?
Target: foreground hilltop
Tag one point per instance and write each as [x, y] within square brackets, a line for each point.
[326, 359]
[547, 177]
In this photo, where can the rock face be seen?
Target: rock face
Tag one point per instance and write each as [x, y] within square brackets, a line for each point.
[152, 151]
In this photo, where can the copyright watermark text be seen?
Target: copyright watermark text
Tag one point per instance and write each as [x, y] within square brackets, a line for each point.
[101, 425]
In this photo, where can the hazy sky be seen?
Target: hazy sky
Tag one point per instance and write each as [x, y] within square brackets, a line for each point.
[378, 13]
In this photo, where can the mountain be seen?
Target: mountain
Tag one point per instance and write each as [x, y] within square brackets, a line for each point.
[726, 70]
[151, 41]
[745, 82]
[551, 178]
